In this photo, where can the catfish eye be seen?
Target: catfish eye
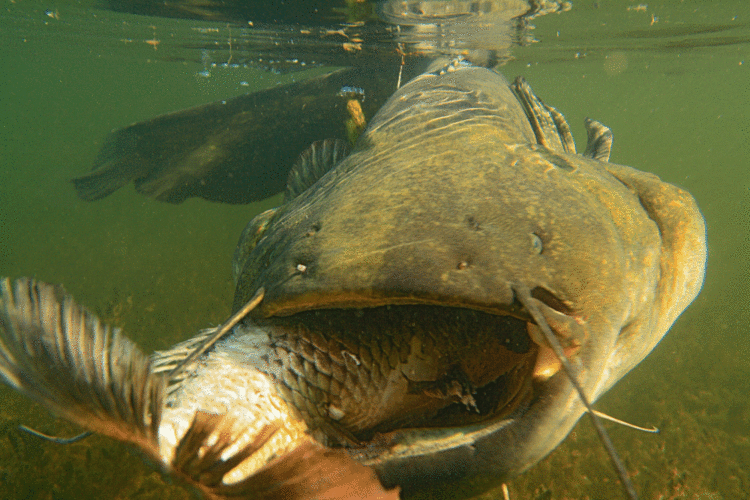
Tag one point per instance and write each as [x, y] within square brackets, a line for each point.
[536, 243]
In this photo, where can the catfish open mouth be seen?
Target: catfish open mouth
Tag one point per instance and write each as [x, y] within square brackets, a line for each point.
[355, 372]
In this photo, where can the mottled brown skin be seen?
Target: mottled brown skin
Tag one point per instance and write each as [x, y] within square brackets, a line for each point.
[451, 199]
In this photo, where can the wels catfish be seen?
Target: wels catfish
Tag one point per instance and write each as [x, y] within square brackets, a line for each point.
[434, 307]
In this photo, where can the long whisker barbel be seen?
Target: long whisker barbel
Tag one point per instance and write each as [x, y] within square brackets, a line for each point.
[524, 296]
[55, 439]
[652, 429]
[223, 330]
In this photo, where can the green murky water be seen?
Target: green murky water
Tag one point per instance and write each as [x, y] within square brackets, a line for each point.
[672, 80]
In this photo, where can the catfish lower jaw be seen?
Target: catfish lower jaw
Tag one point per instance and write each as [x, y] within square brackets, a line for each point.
[353, 373]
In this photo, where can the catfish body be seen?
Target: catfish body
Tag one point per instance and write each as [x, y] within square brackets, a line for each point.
[465, 192]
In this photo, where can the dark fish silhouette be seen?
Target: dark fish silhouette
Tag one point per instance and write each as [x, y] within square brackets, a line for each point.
[234, 151]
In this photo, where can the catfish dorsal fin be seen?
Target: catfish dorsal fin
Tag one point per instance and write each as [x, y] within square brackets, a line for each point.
[549, 125]
[313, 164]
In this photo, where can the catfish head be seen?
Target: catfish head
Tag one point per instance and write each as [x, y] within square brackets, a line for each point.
[408, 283]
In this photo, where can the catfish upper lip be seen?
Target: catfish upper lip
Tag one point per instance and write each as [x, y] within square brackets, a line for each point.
[288, 305]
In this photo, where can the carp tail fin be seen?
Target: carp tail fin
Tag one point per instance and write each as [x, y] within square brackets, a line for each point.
[60, 355]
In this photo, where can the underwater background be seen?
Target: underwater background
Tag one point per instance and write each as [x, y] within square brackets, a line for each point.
[670, 78]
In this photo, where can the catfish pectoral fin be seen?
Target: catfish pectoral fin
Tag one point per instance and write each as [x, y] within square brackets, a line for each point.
[60, 355]
[599, 145]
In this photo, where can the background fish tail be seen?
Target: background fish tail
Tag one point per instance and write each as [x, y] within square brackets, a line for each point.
[115, 165]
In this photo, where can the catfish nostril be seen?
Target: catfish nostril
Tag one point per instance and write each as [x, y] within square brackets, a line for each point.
[313, 229]
[473, 223]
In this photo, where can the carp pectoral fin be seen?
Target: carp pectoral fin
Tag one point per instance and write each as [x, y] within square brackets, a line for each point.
[61, 356]
[599, 145]
[219, 333]
[309, 471]
[549, 125]
[201, 455]
[206, 454]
